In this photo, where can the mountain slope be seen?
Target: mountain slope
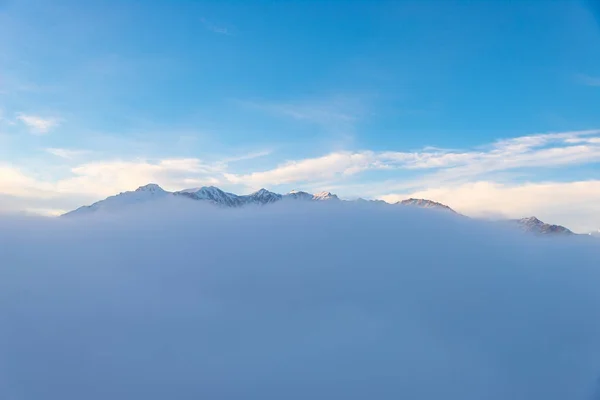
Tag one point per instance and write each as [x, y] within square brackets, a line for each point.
[423, 203]
[325, 196]
[298, 195]
[534, 225]
[260, 197]
[213, 195]
[143, 194]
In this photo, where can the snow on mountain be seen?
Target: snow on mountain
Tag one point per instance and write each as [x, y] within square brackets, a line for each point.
[212, 194]
[225, 199]
[534, 225]
[142, 194]
[150, 188]
[261, 197]
[595, 233]
[325, 196]
[423, 203]
[298, 195]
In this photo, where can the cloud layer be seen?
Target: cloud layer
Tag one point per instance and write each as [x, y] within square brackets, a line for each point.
[317, 302]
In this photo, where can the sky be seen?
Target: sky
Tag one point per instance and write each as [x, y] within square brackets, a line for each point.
[489, 107]
[321, 301]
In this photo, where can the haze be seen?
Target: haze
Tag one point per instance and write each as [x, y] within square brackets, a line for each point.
[320, 301]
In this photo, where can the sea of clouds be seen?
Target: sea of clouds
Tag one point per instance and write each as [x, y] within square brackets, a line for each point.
[347, 301]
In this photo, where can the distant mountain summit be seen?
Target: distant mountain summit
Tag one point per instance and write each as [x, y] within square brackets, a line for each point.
[534, 225]
[298, 195]
[215, 196]
[260, 197]
[325, 196]
[143, 194]
[423, 203]
[211, 194]
[150, 188]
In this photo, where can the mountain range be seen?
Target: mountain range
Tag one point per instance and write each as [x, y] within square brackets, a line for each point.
[220, 198]
[208, 194]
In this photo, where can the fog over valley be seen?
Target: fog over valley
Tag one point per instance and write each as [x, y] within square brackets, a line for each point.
[316, 300]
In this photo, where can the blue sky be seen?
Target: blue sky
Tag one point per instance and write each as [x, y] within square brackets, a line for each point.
[449, 99]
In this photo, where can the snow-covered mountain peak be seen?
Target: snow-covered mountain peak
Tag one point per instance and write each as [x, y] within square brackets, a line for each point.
[150, 188]
[146, 193]
[206, 190]
[262, 196]
[531, 220]
[325, 196]
[298, 195]
[212, 194]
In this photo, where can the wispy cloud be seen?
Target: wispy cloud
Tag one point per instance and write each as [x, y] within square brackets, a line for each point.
[325, 167]
[37, 124]
[247, 156]
[68, 154]
[543, 150]
[338, 114]
[429, 167]
[588, 80]
[221, 30]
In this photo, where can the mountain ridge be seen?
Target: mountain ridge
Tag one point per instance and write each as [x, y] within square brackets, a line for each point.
[215, 196]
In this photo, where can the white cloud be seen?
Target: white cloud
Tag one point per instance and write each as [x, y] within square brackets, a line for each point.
[309, 170]
[544, 150]
[593, 140]
[110, 177]
[572, 204]
[105, 178]
[68, 154]
[37, 124]
[247, 156]
[15, 182]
